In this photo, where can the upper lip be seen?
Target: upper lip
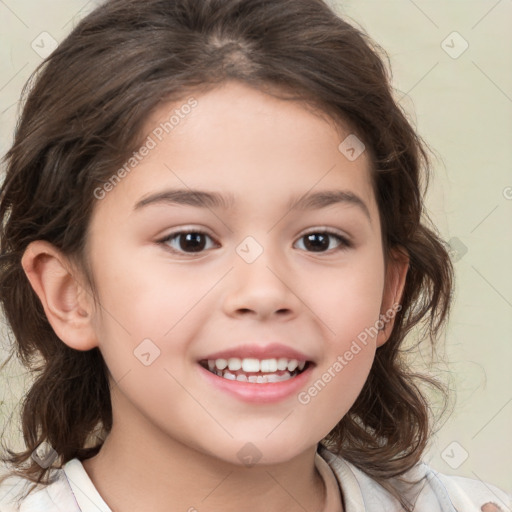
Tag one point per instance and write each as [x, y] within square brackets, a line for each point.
[271, 351]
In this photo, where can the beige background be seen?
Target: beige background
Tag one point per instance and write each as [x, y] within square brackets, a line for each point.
[461, 103]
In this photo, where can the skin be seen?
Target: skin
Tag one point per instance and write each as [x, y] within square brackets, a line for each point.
[175, 439]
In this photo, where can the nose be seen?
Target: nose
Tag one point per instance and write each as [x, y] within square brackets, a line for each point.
[262, 289]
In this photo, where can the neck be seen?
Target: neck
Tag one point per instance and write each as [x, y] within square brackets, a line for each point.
[158, 471]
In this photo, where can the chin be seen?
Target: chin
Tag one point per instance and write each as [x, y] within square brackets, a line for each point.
[257, 451]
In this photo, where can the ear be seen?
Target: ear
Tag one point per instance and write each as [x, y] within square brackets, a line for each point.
[394, 283]
[67, 304]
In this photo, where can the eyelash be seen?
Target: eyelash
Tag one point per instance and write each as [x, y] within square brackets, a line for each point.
[344, 243]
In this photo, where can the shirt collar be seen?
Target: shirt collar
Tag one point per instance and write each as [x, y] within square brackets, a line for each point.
[86, 495]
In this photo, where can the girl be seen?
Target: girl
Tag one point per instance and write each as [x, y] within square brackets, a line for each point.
[213, 247]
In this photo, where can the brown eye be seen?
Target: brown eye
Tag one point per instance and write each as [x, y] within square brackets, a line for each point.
[187, 241]
[320, 241]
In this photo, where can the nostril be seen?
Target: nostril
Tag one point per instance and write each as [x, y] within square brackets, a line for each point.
[491, 507]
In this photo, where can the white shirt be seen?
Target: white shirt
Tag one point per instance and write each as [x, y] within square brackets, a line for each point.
[73, 491]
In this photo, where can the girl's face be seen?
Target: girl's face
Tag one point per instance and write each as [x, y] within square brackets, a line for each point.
[255, 278]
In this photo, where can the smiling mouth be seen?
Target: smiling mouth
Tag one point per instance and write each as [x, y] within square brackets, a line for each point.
[256, 371]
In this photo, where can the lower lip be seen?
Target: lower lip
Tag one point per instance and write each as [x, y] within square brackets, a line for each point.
[260, 393]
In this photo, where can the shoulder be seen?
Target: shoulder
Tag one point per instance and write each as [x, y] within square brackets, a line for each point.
[54, 497]
[469, 492]
[434, 491]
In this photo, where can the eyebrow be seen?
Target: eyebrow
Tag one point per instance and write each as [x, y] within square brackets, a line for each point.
[205, 199]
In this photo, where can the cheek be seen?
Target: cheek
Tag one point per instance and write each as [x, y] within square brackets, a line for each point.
[349, 307]
[332, 393]
[146, 295]
[348, 300]
[150, 311]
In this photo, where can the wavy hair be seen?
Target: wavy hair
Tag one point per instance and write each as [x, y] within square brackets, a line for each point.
[83, 114]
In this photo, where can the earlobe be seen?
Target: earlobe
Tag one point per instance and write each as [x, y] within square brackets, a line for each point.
[396, 274]
[65, 302]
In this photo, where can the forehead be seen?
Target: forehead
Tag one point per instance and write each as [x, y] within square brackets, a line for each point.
[258, 150]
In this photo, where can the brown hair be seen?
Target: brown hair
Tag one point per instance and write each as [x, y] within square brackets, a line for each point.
[83, 117]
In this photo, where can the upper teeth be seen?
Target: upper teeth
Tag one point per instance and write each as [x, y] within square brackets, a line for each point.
[256, 365]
